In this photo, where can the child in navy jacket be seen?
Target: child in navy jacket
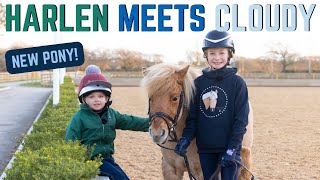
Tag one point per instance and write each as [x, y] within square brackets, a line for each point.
[218, 115]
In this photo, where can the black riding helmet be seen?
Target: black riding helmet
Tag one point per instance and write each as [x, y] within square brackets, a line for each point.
[216, 38]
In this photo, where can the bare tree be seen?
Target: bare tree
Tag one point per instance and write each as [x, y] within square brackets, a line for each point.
[311, 62]
[132, 60]
[2, 60]
[2, 16]
[281, 53]
[2, 27]
[157, 58]
[195, 57]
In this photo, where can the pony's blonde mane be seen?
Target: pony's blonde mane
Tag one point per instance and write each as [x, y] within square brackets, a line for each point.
[158, 79]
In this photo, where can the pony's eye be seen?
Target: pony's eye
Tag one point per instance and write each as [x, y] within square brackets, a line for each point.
[175, 99]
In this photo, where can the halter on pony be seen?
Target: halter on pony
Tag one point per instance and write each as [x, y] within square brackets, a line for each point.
[163, 115]
[172, 128]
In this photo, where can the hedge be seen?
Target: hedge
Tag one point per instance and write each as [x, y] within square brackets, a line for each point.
[45, 153]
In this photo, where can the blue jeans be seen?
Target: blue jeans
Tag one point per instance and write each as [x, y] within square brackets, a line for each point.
[111, 169]
[209, 163]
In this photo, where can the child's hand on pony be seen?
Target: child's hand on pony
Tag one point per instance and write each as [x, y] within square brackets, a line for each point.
[228, 158]
[181, 147]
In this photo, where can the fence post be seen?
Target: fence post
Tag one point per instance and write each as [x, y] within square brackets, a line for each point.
[62, 72]
[56, 76]
[55, 87]
[309, 65]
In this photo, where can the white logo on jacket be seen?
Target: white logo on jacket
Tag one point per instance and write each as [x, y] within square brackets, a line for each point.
[214, 101]
[210, 99]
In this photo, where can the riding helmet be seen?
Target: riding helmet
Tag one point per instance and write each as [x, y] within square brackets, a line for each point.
[92, 83]
[216, 38]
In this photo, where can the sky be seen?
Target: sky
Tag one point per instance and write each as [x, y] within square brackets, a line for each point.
[173, 45]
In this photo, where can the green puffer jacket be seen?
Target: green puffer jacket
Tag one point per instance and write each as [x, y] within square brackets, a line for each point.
[86, 126]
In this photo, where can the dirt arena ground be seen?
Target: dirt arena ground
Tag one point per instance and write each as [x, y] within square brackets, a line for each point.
[286, 134]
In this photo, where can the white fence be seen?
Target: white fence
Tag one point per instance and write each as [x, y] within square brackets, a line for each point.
[6, 77]
[280, 75]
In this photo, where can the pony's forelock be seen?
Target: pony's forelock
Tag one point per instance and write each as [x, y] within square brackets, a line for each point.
[159, 79]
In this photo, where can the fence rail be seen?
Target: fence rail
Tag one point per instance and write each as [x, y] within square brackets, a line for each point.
[6, 77]
[131, 74]
[244, 75]
[45, 77]
[280, 75]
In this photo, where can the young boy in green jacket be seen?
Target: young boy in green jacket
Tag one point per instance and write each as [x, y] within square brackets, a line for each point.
[96, 123]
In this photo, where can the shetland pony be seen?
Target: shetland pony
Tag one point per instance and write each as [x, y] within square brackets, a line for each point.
[170, 90]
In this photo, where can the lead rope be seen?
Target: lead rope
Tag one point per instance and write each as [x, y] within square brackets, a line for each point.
[188, 167]
[185, 161]
[217, 171]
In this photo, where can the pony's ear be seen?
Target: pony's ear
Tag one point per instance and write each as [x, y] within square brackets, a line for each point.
[182, 73]
[144, 71]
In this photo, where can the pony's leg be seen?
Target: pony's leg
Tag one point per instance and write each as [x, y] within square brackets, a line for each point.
[196, 170]
[247, 161]
[198, 175]
[171, 173]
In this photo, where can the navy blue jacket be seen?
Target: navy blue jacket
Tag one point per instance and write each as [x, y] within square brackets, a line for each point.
[218, 115]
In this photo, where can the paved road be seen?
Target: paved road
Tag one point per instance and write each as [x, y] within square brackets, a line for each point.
[19, 106]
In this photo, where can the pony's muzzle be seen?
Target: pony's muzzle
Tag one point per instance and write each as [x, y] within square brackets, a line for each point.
[158, 136]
